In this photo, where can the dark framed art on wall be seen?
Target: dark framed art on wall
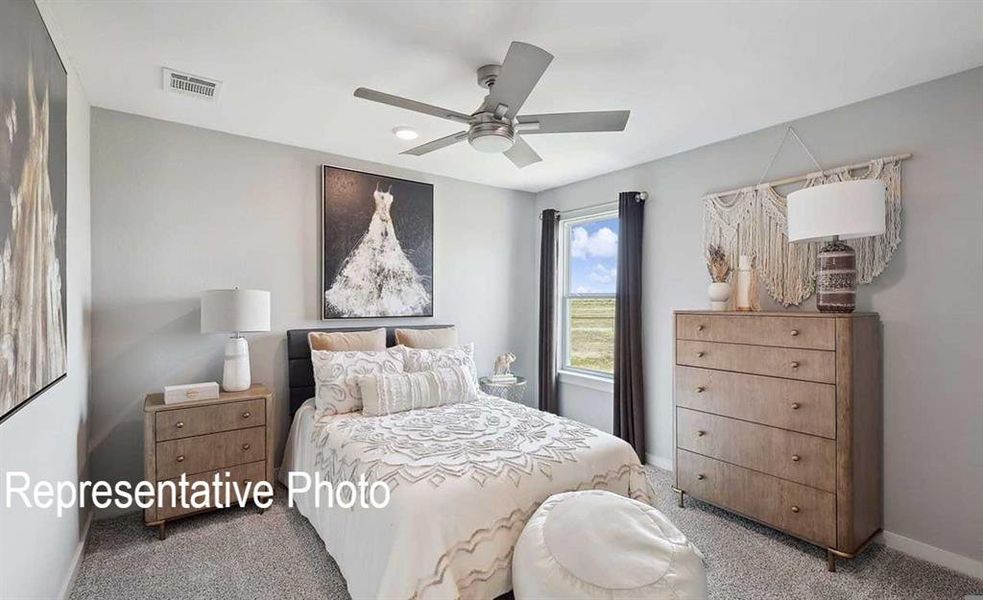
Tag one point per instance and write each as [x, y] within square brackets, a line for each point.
[376, 246]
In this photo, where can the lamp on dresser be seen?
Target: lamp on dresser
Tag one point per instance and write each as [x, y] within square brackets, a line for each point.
[842, 210]
[235, 311]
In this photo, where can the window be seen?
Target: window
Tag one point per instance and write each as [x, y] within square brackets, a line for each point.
[589, 263]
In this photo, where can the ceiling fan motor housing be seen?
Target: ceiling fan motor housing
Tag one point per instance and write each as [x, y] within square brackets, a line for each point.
[489, 134]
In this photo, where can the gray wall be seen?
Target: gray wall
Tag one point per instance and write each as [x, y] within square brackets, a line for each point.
[177, 209]
[929, 298]
[48, 438]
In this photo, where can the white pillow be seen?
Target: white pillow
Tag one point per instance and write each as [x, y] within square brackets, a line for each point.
[428, 359]
[385, 394]
[335, 374]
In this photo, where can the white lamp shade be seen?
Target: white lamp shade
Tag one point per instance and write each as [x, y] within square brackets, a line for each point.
[848, 209]
[235, 310]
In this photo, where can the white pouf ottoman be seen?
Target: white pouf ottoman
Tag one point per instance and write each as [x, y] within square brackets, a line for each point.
[597, 544]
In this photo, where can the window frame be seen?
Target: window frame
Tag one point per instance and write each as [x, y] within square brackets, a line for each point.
[566, 294]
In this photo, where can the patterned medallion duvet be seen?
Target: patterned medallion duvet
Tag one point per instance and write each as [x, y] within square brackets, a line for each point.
[464, 478]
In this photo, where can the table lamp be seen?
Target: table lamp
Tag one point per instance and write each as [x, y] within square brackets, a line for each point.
[235, 311]
[842, 211]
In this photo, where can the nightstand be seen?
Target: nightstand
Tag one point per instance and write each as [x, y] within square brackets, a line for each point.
[231, 434]
[506, 391]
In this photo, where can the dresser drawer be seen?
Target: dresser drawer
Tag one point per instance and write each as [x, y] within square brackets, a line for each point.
[818, 333]
[793, 363]
[252, 472]
[798, 457]
[796, 509]
[188, 422]
[797, 405]
[208, 452]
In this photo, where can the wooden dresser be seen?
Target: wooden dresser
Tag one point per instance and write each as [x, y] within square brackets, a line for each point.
[778, 418]
[233, 434]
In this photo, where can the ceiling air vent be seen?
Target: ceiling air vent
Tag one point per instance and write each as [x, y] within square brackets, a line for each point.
[191, 85]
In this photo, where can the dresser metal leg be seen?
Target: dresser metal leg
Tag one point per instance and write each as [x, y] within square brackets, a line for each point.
[162, 531]
[682, 494]
[830, 561]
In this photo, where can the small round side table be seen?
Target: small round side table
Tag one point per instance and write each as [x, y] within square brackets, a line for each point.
[506, 391]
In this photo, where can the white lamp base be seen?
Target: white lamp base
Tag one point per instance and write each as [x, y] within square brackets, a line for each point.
[235, 373]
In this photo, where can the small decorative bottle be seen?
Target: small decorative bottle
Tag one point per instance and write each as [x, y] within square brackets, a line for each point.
[743, 300]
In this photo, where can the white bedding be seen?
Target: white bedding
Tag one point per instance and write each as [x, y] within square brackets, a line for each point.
[465, 478]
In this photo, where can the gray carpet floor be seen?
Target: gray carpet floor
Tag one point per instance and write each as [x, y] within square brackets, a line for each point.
[240, 553]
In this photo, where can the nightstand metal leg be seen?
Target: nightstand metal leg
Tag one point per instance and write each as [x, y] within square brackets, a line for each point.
[162, 531]
[682, 495]
[830, 561]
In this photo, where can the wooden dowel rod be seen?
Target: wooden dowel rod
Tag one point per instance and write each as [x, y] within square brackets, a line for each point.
[798, 178]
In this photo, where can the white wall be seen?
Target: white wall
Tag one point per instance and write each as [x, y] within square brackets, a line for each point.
[48, 438]
[177, 209]
[929, 298]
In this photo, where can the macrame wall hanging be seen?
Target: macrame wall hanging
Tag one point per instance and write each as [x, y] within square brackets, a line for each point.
[751, 221]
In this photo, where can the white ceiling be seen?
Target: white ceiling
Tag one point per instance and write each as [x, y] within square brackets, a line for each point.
[691, 72]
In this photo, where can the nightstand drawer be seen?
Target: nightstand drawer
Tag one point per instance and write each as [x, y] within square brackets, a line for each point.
[252, 472]
[792, 363]
[797, 405]
[208, 452]
[798, 457]
[188, 422]
[788, 332]
[794, 508]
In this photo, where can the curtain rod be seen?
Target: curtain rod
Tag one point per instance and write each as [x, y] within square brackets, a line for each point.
[641, 197]
[799, 178]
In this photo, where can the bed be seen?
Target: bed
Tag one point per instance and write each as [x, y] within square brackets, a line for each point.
[464, 479]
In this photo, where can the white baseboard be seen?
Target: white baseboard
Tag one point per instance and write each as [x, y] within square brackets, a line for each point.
[73, 570]
[661, 462]
[951, 560]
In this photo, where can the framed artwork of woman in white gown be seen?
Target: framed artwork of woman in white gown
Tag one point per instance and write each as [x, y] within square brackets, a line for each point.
[377, 246]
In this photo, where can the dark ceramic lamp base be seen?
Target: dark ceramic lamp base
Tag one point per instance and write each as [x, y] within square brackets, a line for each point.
[836, 278]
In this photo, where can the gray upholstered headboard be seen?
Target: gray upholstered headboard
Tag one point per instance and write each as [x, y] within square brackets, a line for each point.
[300, 372]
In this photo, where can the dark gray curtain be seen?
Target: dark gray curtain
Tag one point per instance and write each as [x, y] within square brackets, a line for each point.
[629, 389]
[547, 313]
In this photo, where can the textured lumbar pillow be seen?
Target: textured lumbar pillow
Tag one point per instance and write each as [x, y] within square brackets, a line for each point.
[336, 373]
[444, 337]
[385, 394]
[418, 359]
[343, 341]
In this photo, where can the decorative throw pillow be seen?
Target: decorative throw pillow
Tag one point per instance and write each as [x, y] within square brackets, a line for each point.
[420, 359]
[344, 341]
[336, 373]
[385, 394]
[444, 337]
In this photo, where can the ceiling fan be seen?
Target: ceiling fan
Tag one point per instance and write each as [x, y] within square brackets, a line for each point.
[496, 126]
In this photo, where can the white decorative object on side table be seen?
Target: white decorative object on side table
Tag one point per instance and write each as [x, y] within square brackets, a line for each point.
[235, 311]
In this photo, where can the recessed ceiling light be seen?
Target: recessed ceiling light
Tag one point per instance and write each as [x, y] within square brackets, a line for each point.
[405, 133]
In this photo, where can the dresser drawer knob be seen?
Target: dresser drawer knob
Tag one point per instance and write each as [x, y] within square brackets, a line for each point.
[795, 508]
[179, 424]
[700, 389]
[700, 433]
[701, 476]
[700, 354]
[180, 458]
[794, 364]
[246, 415]
[796, 458]
[796, 406]
[794, 332]
[245, 446]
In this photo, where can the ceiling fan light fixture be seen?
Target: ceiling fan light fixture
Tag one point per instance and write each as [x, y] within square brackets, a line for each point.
[404, 132]
[490, 135]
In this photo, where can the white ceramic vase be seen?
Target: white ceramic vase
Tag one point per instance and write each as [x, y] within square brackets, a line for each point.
[719, 292]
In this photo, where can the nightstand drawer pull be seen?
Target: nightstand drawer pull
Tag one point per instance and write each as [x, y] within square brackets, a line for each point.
[699, 327]
[796, 406]
[246, 414]
[796, 458]
[700, 433]
[245, 446]
[700, 389]
[700, 354]
[795, 508]
[794, 364]
[180, 458]
[179, 424]
[701, 476]
[794, 332]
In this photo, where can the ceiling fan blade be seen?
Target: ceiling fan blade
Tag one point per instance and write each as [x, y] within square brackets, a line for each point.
[437, 144]
[420, 107]
[521, 154]
[607, 120]
[523, 66]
